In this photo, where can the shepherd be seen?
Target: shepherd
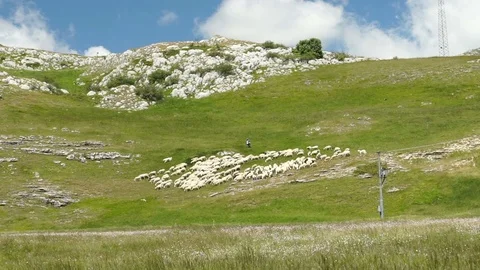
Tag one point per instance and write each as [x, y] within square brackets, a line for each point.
[248, 143]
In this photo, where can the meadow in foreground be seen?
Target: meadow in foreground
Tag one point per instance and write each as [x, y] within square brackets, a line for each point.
[425, 244]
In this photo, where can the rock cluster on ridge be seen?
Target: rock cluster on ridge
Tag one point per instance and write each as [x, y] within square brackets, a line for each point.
[190, 69]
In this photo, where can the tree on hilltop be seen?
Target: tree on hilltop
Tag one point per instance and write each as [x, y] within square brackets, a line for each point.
[309, 48]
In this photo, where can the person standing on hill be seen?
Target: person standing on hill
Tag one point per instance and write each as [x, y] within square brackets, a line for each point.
[248, 143]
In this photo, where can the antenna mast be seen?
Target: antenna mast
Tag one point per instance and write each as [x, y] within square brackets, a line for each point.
[442, 29]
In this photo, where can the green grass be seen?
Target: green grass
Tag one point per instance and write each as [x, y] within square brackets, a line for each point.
[275, 115]
[396, 245]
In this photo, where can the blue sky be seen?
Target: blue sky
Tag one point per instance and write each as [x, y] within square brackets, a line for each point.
[368, 27]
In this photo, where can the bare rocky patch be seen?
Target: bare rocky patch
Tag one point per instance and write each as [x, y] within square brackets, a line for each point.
[82, 151]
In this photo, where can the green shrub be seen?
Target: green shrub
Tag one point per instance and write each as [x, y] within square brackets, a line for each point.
[309, 49]
[150, 93]
[33, 65]
[202, 71]
[177, 66]
[171, 81]
[50, 81]
[229, 57]
[136, 61]
[120, 80]
[198, 46]
[340, 56]
[64, 64]
[144, 61]
[288, 57]
[3, 57]
[215, 53]
[271, 55]
[171, 52]
[272, 45]
[93, 87]
[306, 57]
[148, 62]
[224, 69]
[158, 76]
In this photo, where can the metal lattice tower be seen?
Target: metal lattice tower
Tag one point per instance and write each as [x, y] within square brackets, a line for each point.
[442, 29]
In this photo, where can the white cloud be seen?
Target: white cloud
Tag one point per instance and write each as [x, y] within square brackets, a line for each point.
[96, 51]
[288, 21]
[28, 28]
[285, 21]
[167, 17]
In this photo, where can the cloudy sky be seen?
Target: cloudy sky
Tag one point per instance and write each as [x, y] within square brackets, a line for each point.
[379, 28]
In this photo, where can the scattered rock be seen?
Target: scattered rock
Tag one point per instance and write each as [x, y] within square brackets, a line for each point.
[39, 195]
[394, 189]
[365, 176]
[8, 160]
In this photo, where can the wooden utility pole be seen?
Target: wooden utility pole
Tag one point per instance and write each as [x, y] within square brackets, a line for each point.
[381, 179]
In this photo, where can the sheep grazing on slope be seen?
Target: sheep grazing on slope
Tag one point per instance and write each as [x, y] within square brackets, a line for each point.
[314, 147]
[362, 152]
[168, 159]
[328, 147]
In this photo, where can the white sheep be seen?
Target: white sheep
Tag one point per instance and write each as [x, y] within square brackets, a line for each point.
[168, 159]
[362, 152]
[328, 147]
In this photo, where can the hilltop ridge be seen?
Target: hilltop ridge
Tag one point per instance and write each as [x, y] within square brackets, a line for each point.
[194, 69]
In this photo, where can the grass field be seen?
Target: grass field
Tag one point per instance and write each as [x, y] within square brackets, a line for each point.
[375, 105]
[427, 244]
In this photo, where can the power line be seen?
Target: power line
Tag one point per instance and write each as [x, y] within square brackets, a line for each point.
[442, 29]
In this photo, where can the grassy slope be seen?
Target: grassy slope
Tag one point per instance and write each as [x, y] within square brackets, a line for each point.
[276, 115]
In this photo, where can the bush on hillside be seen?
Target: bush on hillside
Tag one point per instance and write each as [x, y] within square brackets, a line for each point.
[65, 64]
[340, 56]
[271, 55]
[120, 80]
[93, 87]
[215, 53]
[150, 93]
[272, 45]
[171, 52]
[158, 76]
[224, 69]
[229, 57]
[306, 57]
[198, 46]
[50, 81]
[171, 81]
[309, 49]
[33, 65]
[202, 71]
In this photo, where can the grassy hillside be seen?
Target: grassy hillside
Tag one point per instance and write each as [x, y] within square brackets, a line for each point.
[375, 105]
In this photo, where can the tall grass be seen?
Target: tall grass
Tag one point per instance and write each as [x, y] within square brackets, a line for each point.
[428, 244]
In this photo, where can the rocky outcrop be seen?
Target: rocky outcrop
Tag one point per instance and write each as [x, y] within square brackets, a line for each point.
[30, 84]
[177, 69]
[31, 59]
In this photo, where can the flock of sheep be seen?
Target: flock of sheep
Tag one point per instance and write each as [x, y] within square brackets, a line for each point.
[227, 166]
